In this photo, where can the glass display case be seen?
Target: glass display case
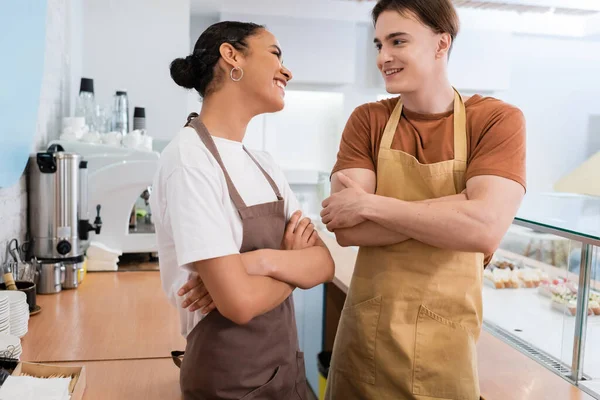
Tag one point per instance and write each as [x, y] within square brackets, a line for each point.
[542, 288]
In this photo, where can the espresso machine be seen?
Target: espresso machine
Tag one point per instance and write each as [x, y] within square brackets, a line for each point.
[120, 178]
[58, 217]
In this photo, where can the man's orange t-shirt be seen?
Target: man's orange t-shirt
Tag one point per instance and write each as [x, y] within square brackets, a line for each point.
[495, 138]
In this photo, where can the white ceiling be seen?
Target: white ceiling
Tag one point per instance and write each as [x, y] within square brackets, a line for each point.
[568, 7]
[523, 7]
[571, 7]
[205, 6]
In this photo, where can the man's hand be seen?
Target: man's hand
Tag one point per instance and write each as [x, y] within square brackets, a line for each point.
[299, 235]
[198, 297]
[344, 209]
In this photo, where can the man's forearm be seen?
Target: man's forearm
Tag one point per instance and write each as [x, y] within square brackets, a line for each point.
[367, 234]
[456, 225]
[301, 268]
[370, 233]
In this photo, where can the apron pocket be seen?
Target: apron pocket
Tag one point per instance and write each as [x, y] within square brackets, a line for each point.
[354, 347]
[267, 391]
[445, 364]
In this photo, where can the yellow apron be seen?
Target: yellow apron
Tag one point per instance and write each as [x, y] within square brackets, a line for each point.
[413, 312]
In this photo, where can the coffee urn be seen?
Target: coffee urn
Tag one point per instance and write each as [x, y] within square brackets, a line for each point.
[58, 219]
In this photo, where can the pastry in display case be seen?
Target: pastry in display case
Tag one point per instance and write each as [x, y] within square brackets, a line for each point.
[506, 273]
[563, 294]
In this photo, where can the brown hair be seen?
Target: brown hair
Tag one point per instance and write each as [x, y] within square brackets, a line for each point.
[439, 15]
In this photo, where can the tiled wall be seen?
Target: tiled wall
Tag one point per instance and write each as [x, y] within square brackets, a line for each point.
[53, 105]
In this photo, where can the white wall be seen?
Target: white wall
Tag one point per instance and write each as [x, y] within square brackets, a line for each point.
[129, 44]
[302, 136]
[198, 24]
[54, 100]
[556, 84]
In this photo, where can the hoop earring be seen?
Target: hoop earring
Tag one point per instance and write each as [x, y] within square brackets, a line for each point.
[241, 74]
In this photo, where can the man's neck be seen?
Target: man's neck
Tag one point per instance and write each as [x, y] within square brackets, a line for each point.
[436, 96]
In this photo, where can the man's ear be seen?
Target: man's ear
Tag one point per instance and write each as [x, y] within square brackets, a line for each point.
[443, 46]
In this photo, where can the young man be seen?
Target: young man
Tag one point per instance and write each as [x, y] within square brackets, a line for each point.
[427, 185]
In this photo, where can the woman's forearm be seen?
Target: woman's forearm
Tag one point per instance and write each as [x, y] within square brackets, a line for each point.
[238, 295]
[301, 268]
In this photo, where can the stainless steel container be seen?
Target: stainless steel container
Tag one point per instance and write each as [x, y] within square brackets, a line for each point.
[72, 275]
[121, 112]
[50, 278]
[54, 197]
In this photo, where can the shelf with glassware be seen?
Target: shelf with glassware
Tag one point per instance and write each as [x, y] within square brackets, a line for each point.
[542, 289]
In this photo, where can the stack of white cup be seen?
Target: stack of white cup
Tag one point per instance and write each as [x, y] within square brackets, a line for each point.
[138, 140]
[73, 128]
[112, 138]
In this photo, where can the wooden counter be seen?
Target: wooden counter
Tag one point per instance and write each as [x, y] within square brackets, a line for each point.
[154, 379]
[111, 316]
[504, 373]
[120, 326]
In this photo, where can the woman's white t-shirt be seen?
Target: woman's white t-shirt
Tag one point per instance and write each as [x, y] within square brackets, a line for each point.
[194, 216]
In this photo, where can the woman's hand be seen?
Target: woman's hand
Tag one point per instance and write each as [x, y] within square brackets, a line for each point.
[299, 235]
[197, 297]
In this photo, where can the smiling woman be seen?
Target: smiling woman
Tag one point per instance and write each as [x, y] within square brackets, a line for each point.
[228, 216]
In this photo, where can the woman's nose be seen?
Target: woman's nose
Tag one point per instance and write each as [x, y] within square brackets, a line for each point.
[287, 73]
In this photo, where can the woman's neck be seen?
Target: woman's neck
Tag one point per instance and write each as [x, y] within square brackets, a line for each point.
[225, 115]
[436, 96]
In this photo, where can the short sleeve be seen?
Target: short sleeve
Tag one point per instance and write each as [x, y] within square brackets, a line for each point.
[356, 146]
[501, 151]
[200, 227]
[291, 202]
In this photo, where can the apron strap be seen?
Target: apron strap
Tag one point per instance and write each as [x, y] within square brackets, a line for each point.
[460, 127]
[267, 176]
[390, 127]
[210, 145]
[190, 118]
[208, 141]
[177, 357]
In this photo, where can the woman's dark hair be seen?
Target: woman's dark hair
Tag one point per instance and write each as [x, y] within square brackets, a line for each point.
[439, 15]
[197, 71]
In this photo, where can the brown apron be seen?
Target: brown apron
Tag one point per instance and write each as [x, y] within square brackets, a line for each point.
[259, 360]
[413, 311]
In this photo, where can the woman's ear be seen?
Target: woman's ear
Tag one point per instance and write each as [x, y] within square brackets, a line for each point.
[443, 46]
[229, 54]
